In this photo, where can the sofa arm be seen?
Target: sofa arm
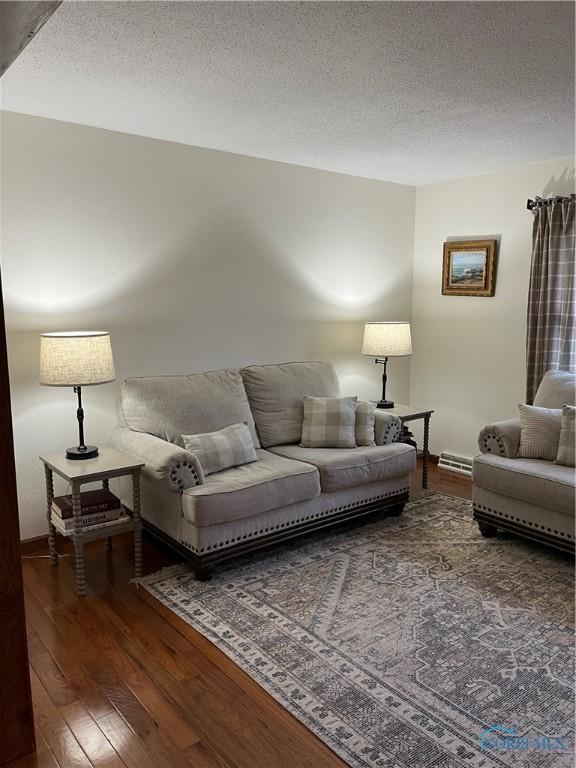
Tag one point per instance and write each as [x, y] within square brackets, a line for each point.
[387, 427]
[501, 438]
[168, 464]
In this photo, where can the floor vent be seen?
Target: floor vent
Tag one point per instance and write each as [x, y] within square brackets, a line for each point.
[460, 464]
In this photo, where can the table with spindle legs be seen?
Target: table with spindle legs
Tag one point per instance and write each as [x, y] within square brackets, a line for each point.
[108, 464]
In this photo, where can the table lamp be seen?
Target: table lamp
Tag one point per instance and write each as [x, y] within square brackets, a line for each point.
[383, 340]
[76, 359]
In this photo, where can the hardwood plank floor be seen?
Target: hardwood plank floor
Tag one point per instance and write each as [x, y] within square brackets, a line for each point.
[119, 681]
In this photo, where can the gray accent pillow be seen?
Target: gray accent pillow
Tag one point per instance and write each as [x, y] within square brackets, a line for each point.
[365, 419]
[229, 447]
[329, 422]
[275, 393]
[539, 432]
[566, 446]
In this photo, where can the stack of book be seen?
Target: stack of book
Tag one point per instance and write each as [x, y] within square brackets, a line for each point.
[99, 509]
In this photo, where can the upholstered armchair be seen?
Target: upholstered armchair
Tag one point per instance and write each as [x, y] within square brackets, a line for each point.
[532, 497]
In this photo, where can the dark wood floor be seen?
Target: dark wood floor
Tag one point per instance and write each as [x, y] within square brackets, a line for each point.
[118, 681]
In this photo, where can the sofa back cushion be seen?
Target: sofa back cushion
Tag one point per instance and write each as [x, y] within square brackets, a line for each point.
[275, 393]
[172, 406]
[556, 389]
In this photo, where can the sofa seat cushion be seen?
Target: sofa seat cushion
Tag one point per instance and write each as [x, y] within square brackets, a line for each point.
[534, 481]
[342, 468]
[241, 492]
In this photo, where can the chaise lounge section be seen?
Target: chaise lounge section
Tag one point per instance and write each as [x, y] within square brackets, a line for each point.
[289, 491]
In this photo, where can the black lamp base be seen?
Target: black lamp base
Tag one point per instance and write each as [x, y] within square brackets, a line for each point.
[385, 404]
[82, 452]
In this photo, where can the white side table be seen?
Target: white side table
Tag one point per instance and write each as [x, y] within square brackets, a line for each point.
[108, 464]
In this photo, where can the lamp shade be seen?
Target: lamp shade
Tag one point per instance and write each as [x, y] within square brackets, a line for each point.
[76, 358]
[387, 339]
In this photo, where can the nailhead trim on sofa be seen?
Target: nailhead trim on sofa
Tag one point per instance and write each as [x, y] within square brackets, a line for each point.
[392, 432]
[180, 476]
[488, 439]
[259, 532]
[528, 523]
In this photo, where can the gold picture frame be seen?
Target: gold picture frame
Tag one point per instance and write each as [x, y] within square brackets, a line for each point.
[469, 268]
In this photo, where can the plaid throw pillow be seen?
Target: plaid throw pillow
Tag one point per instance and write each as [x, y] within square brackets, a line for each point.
[566, 447]
[229, 447]
[329, 422]
[365, 418]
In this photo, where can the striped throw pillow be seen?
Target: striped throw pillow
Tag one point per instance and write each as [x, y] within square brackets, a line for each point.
[566, 447]
[229, 447]
[329, 422]
[540, 432]
[365, 418]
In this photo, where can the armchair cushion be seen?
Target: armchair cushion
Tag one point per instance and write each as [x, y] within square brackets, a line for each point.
[556, 389]
[534, 481]
[501, 438]
[173, 467]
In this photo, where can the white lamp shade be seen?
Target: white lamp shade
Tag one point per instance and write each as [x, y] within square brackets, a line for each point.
[76, 358]
[387, 339]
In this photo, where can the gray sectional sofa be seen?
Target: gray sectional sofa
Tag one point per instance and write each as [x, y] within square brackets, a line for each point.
[531, 497]
[290, 489]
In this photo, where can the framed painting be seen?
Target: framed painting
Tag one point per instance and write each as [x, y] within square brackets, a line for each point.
[469, 268]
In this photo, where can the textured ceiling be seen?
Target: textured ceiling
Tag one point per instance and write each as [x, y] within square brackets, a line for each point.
[412, 92]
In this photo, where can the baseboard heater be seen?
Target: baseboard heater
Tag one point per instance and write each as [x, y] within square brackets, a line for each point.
[460, 464]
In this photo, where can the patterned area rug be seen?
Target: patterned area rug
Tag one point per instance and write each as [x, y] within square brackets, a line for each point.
[406, 641]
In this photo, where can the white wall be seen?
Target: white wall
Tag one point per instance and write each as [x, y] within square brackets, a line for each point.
[193, 259]
[196, 259]
[469, 353]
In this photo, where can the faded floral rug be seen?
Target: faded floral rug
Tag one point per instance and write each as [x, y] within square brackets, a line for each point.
[407, 641]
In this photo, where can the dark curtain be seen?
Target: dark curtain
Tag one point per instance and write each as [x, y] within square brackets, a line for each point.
[551, 336]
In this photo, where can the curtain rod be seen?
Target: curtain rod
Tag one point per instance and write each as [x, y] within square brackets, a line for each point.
[531, 204]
